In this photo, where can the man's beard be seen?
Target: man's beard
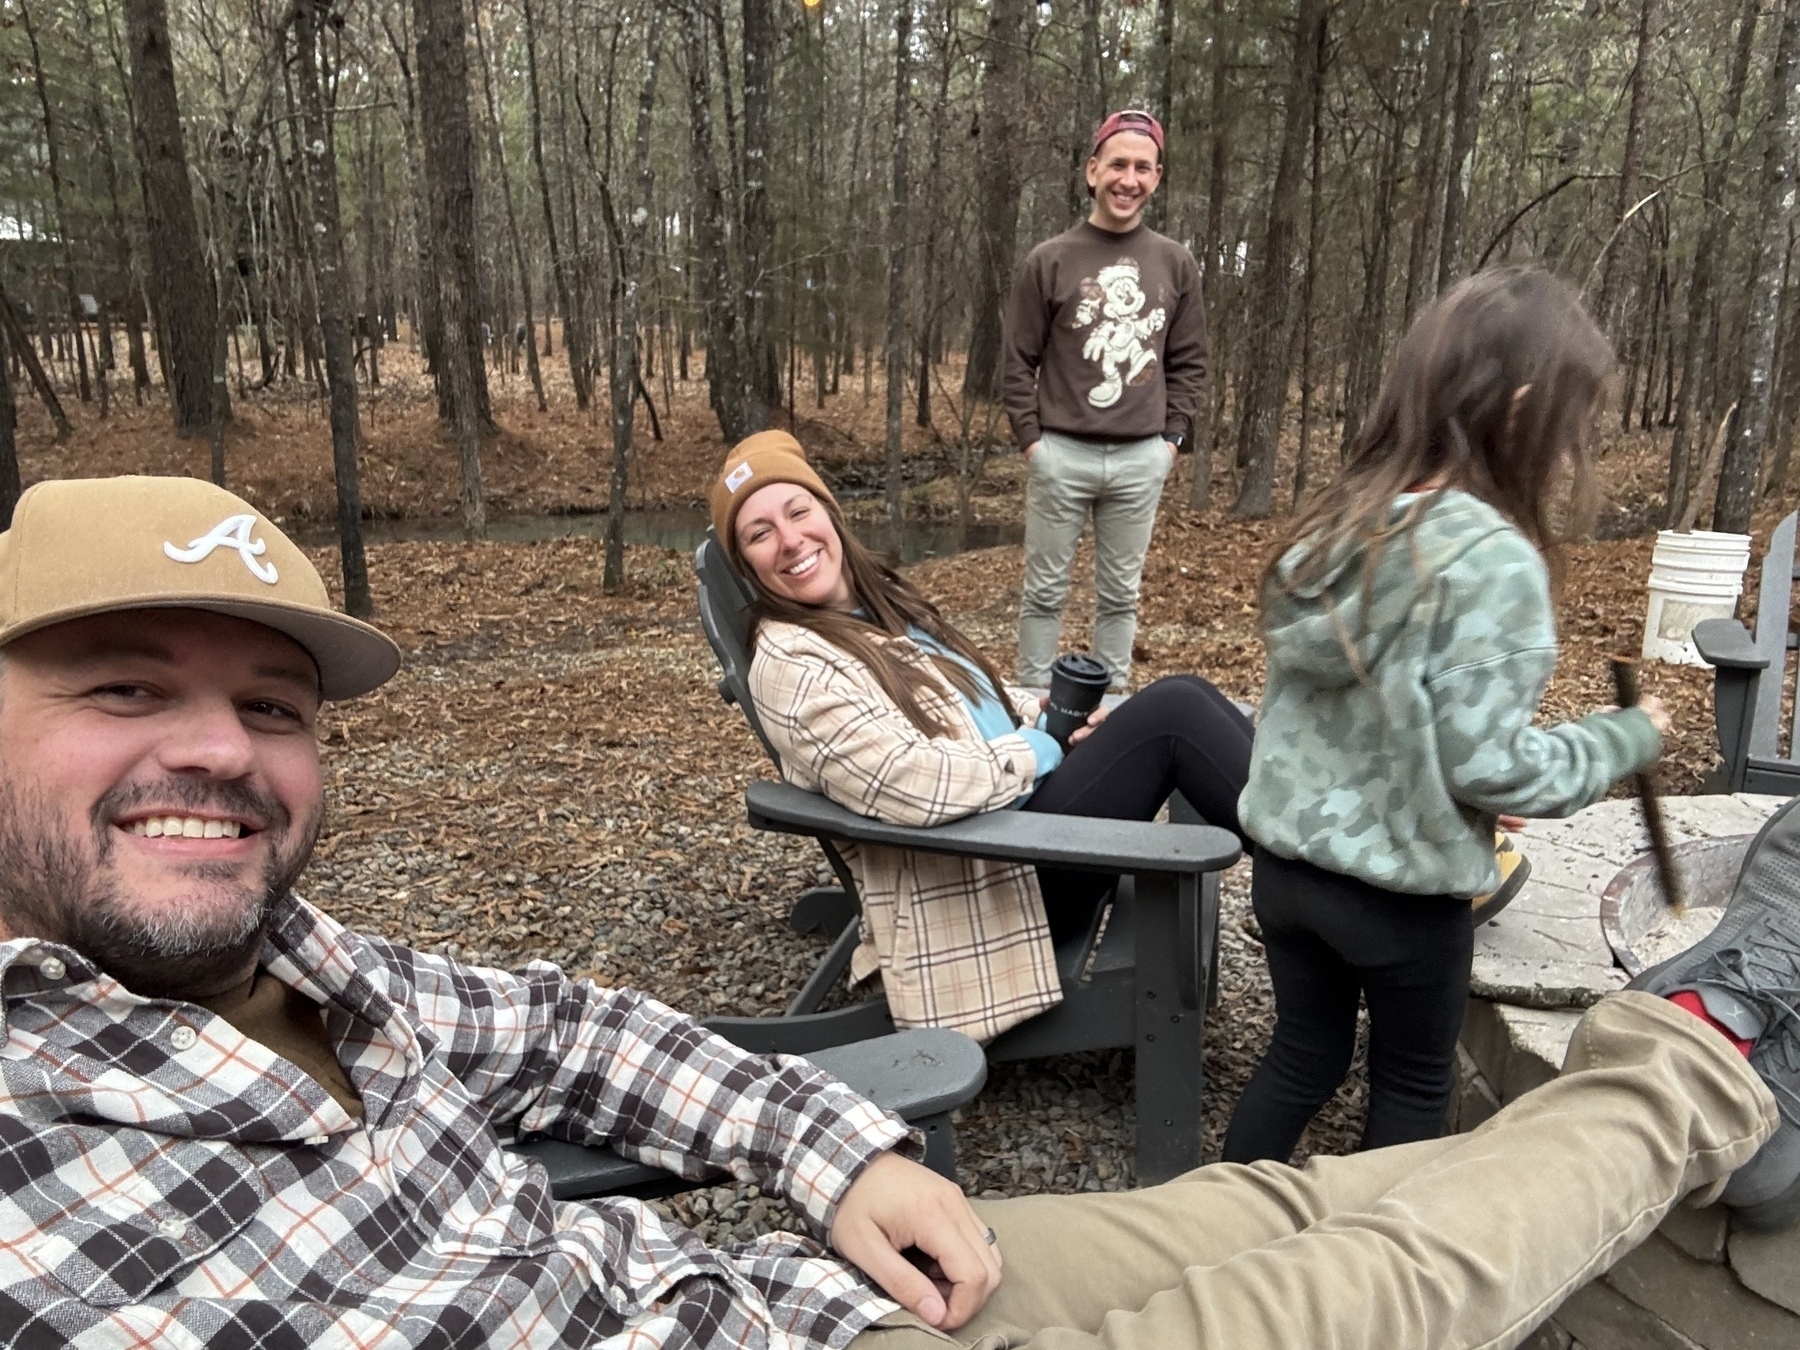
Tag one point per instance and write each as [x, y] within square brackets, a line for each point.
[51, 886]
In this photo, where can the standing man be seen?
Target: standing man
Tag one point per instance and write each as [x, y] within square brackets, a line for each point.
[1104, 344]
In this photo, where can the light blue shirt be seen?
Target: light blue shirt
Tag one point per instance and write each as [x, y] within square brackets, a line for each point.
[991, 717]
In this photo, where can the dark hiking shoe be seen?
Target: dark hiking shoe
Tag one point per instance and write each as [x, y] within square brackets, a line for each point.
[1746, 973]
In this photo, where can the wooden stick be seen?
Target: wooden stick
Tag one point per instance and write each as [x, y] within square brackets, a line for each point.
[1625, 687]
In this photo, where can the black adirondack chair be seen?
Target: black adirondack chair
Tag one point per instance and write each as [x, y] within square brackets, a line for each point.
[1142, 977]
[920, 1075]
[1750, 676]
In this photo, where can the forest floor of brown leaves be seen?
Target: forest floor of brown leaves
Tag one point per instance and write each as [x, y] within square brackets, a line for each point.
[553, 776]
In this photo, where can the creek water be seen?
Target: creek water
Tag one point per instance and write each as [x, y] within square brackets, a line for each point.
[679, 528]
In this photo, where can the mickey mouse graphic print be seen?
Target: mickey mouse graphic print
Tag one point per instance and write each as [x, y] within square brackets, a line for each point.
[1105, 338]
[1116, 343]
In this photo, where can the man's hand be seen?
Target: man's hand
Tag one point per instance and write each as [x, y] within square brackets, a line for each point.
[896, 1204]
[1174, 449]
[1031, 450]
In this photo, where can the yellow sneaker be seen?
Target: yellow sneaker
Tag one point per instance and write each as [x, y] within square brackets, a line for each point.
[1514, 866]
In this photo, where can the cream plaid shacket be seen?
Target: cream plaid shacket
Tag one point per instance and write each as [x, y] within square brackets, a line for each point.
[167, 1182]
[959, 942]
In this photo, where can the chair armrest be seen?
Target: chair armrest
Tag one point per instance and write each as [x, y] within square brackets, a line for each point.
[1083, 843]
[913, 1073]
[1724, 642]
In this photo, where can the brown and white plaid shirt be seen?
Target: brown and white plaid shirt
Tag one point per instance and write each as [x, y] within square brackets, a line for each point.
[959, 942]
[167, 1182]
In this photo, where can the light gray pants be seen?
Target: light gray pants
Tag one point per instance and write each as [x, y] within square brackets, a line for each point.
[1464, 1243]
[1119, 483]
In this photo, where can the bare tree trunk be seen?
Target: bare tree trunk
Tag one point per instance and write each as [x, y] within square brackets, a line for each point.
[1628, 168]
[630, 241]
[1207, 425]
[896, 293]
[9, 449]
[934, 193]
[34, 368]
[1162, 74]
[428, 310]
[178, 270]
[1309, 286]
[574, 334]
[1265, 386]
[450, 174]
[1370, 333]
[1088, 105]
[53, 163]
[1787, 384]
[1471, 74]
[1713, 235]
[759, 231]
[1426, 215]
[497, 148]
[1560, 218]
[1744, 448]
[333, 283]
[728, 384]
[997, 187]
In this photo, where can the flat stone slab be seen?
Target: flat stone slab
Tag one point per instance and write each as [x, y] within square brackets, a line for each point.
[1516, 1049]
[1614, 830]
[1547, 949]
[1769, 1264]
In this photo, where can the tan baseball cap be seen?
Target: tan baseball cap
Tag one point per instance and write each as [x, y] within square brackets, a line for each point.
[81, 546]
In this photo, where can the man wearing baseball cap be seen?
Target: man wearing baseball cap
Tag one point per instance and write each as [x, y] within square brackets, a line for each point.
[1104, 360]
[228, 1122]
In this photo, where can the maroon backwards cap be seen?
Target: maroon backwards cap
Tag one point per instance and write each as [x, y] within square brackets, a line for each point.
[1128, 120]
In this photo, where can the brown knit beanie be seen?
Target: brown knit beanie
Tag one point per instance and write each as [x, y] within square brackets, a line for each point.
[755, 462]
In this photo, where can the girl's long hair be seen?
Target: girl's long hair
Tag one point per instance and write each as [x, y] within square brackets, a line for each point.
[890, 605]
[1493, 390]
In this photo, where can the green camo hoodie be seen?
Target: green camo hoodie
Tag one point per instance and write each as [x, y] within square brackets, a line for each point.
[1391, 768]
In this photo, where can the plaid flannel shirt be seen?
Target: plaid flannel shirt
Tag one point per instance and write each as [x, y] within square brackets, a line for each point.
[166, 1181]
[959, 942]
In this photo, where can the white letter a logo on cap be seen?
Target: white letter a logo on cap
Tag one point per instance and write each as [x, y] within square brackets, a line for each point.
[232, 532]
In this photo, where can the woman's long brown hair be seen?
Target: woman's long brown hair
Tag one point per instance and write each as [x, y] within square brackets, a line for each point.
[890, 605]
[1492, 392]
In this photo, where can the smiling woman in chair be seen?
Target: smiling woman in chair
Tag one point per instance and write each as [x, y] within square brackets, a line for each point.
[874, 699]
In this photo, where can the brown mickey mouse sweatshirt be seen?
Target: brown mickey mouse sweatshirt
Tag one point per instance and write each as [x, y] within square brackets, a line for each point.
[1104, 337]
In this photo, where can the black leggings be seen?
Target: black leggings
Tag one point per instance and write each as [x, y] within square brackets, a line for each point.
[1179, 734]
[1330, 938]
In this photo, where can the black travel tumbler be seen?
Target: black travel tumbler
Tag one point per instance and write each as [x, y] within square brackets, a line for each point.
[1077, 684]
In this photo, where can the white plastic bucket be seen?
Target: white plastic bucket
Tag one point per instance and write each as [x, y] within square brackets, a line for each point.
[1693, 576]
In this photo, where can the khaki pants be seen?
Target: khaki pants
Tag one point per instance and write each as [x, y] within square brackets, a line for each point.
[1119, 484]
[1447, 1244]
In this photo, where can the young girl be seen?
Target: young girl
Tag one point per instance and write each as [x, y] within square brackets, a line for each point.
[1410, 635]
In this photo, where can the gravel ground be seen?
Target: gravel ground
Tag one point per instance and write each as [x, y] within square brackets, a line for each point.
[553, 776]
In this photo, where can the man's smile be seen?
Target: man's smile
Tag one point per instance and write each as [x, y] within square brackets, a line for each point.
[185, 827]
